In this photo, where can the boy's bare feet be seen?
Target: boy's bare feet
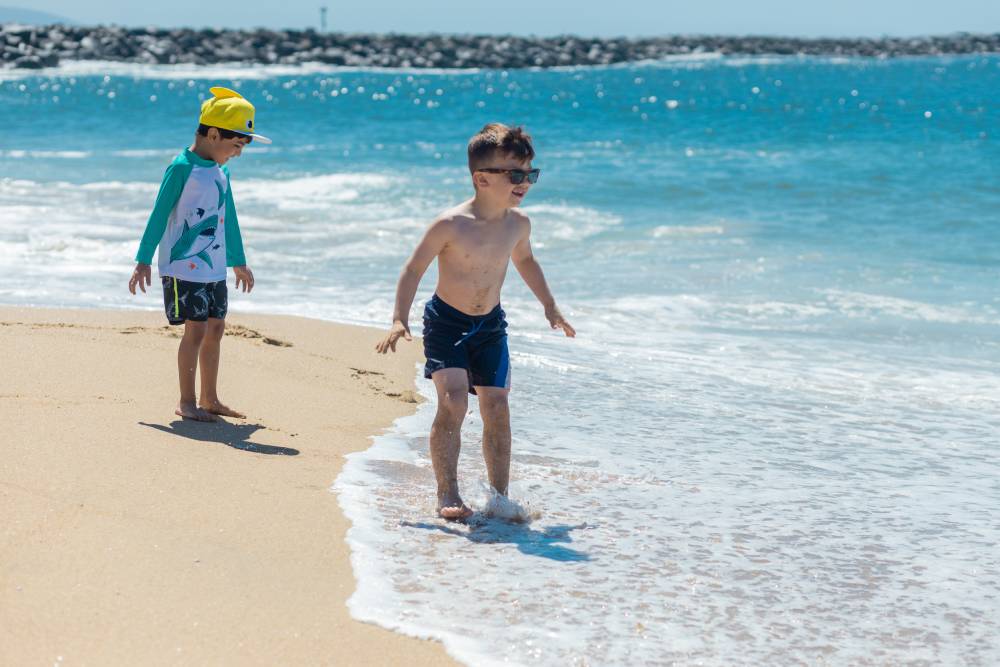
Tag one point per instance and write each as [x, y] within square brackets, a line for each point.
[453, 509]
[192, 411]
[220, 408]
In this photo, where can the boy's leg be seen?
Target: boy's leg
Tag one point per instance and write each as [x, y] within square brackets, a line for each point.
[211, 349]
[496, 435]
[187, 367]
[490, 369]
[452, 386]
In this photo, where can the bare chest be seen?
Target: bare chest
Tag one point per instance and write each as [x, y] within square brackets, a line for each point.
[481, 248]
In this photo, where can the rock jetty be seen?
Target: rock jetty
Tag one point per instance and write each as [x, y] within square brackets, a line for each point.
[25, 46]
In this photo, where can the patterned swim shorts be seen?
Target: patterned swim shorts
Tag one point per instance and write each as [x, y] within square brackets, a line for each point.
[184, 300]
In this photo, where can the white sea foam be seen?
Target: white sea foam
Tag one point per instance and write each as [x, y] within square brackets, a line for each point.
[111, 187]
[526, 359]
[257, 72]
[687, 230]
[716, 59]
[310, 192]
[146, 152]
[858, 304]
[15, 154]
[297, 223]
[232, 71]
[807, 423]
[562, 222]
[240, 71]
[703, 557]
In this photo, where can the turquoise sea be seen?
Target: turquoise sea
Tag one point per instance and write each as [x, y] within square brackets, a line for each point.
[774, 440]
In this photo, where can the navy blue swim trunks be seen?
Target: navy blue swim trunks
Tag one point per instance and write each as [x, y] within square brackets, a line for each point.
[477, 343]
[185, 300]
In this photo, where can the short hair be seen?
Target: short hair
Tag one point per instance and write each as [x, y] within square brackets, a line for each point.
[499, 139]
[225, 134]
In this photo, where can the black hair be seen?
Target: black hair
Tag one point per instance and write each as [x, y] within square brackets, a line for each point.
[225, 134]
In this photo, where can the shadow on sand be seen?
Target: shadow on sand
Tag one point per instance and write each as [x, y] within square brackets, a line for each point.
[541, 543]
[232, 435]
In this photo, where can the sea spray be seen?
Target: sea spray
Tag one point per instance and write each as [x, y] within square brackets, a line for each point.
[492, 505]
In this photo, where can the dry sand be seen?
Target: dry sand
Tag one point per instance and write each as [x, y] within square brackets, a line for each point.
[132, 537]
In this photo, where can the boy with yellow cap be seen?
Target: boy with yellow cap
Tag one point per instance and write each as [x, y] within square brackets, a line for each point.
[194, 225]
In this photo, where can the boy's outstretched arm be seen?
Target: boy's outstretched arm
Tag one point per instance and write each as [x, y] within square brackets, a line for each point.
[409, 279]
[531, 272]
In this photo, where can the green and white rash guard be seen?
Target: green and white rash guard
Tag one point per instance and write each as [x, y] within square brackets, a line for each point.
[193, 222]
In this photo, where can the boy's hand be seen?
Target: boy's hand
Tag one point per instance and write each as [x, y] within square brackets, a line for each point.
[244, 275]
[389, 342]
[142, 276]
[557, 321]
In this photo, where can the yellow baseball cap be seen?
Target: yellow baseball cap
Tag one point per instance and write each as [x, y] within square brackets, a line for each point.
[228, 110]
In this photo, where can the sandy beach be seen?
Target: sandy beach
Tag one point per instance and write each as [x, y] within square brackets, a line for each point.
[133, 537]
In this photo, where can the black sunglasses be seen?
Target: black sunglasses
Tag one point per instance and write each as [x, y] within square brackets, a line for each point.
[516, 176]
[229, 134]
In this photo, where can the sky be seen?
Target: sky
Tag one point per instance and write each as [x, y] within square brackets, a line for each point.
[632, 18]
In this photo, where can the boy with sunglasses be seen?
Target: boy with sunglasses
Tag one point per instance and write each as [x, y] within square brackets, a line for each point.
[194, 225]
[465, 339]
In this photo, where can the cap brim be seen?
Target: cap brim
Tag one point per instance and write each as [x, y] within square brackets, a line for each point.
[257, 137]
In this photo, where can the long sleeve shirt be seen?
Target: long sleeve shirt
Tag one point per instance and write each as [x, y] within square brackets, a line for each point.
[193, 224]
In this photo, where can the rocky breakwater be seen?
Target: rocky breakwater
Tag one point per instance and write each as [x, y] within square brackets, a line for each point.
[45, 46]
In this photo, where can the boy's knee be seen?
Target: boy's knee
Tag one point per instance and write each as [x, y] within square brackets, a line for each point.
[195, 331]
[494, 406]
[215, 329]
[453, 405]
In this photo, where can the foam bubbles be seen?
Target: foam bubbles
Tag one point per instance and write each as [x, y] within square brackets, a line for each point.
[501, 507]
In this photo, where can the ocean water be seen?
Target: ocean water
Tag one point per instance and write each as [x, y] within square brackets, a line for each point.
[774, 440]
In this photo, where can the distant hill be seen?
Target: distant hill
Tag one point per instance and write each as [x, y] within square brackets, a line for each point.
[31, 17]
